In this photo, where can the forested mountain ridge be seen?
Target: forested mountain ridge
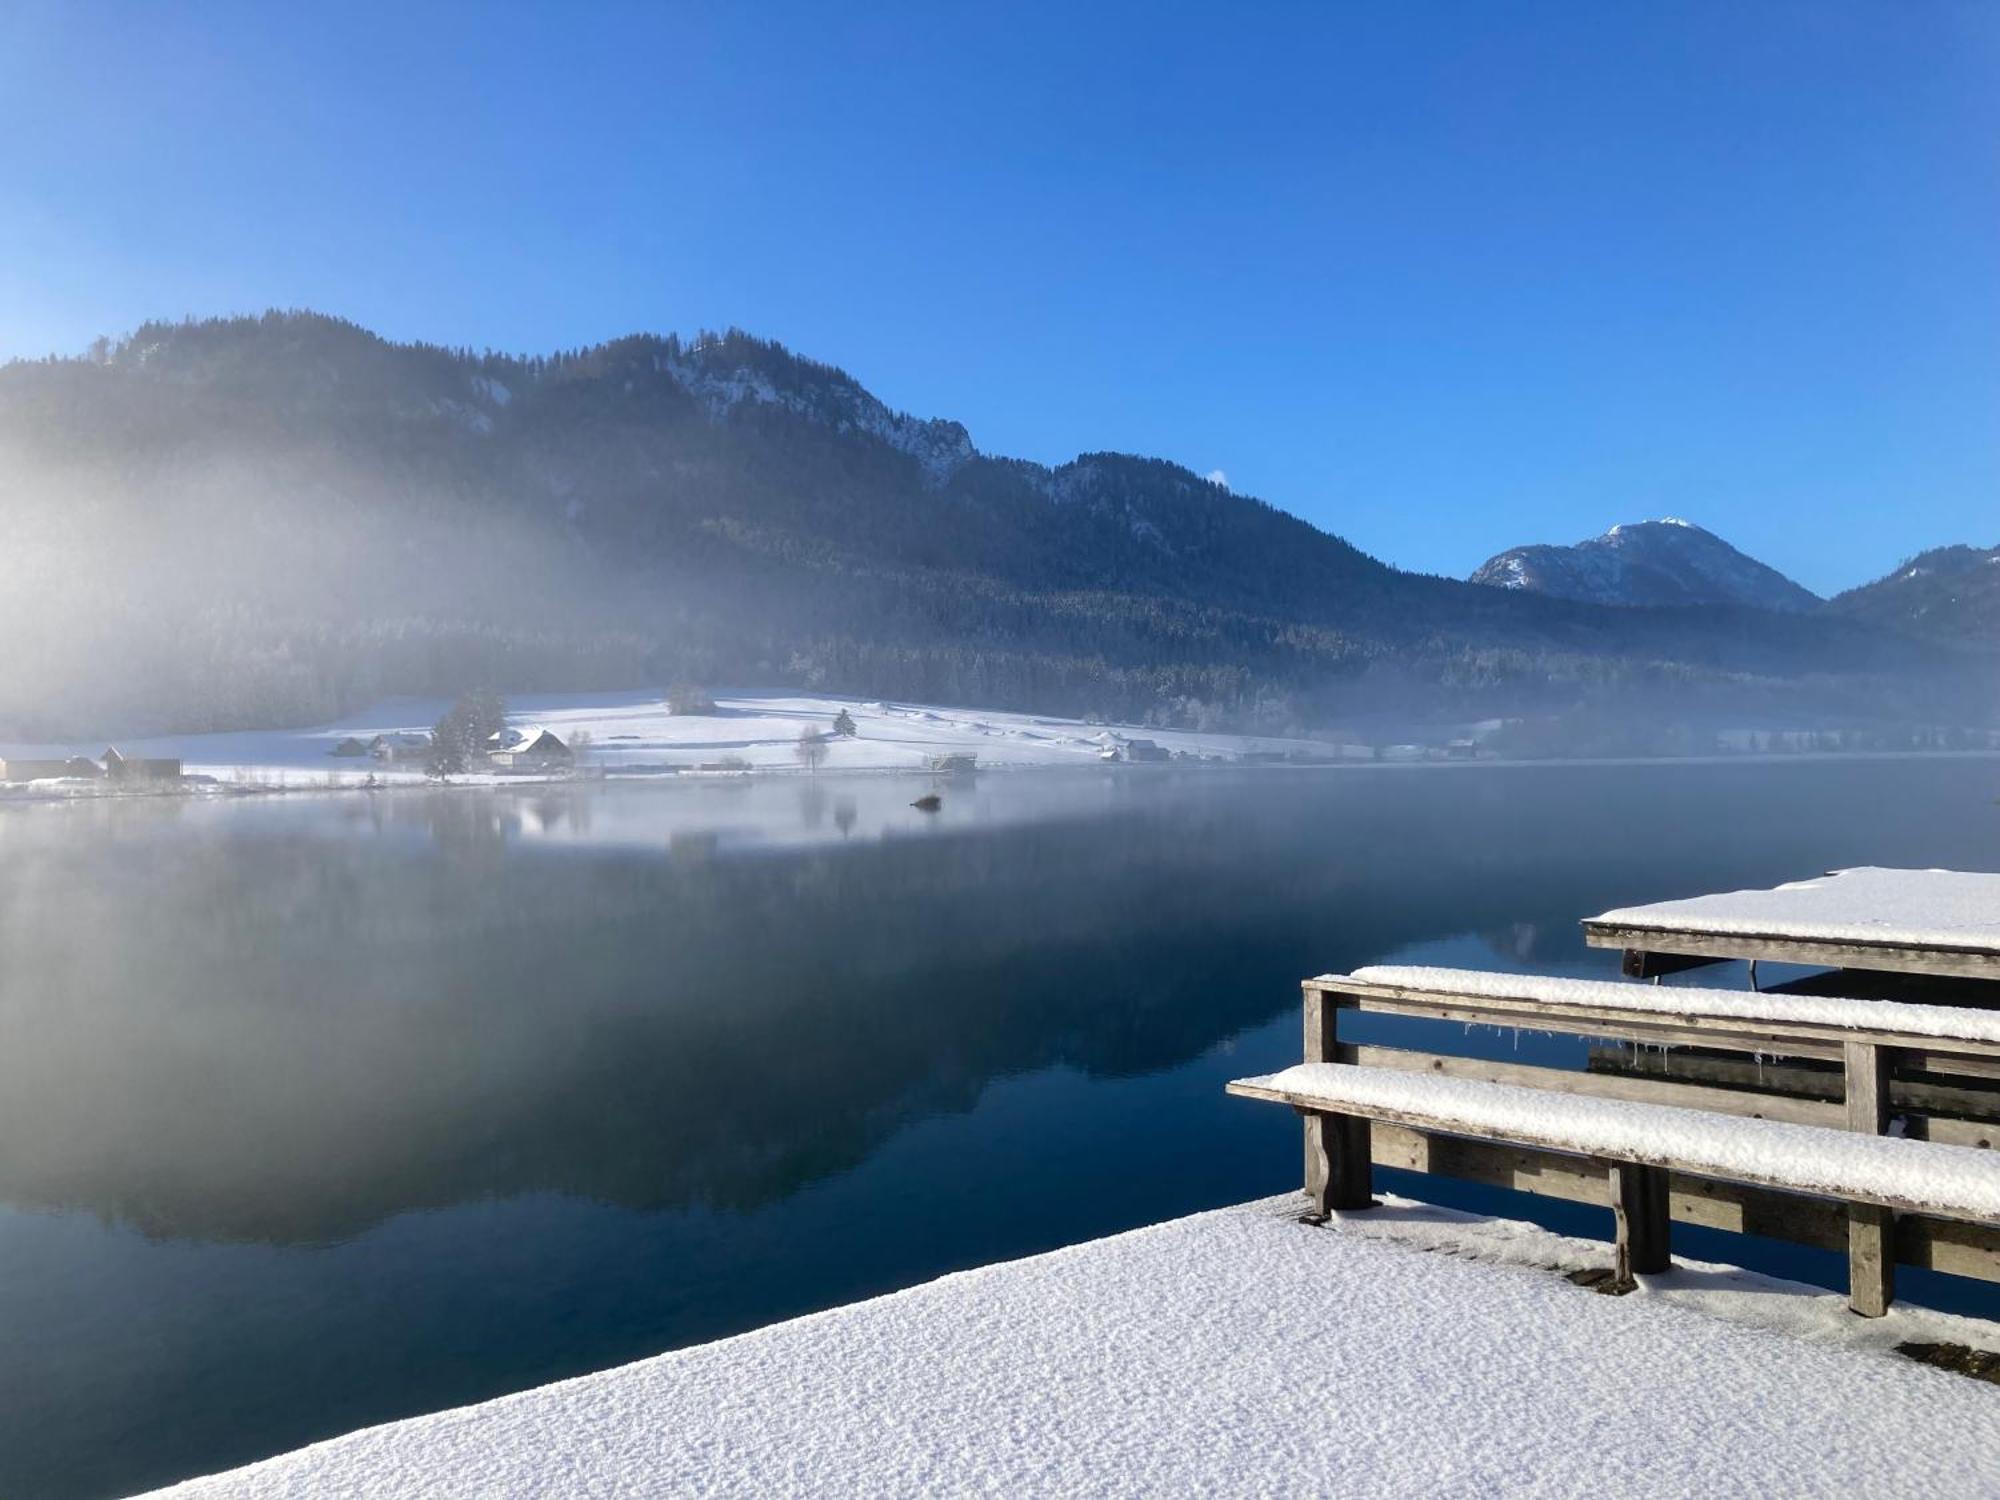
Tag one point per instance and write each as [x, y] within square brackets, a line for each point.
[265, 520]
[1950, 593]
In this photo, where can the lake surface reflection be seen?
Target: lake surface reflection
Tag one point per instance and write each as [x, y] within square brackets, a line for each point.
[318, 1111]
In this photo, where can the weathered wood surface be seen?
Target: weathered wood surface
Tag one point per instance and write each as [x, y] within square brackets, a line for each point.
[1801, 1038]
[1640, 1221]
[1640, 1090]
[1949, 1114]
[1535, 1136]
[1802, 1072]
[1659, 943]
[1947, 1245]
[1871, 1255]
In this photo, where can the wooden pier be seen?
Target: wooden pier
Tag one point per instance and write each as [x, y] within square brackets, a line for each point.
[1870, 1127]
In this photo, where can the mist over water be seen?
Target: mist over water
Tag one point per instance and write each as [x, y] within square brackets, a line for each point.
[319, 1111]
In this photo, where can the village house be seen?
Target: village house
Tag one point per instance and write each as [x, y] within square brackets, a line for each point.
[116, 767]
[536, 750]
[135, 768]
[400, 746]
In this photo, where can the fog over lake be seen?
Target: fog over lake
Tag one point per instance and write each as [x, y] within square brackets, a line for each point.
[320, 1110]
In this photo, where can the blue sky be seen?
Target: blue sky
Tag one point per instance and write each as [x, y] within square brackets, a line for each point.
[1441, 278]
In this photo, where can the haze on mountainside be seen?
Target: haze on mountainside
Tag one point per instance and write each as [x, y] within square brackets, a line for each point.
[265, 521]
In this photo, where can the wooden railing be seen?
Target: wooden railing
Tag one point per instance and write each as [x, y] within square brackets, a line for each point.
[1904, 1076]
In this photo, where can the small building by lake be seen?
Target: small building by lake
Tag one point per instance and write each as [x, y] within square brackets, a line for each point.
[536, 750]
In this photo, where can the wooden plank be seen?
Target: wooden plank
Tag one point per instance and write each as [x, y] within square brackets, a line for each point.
[1619, 1027]
[1801, 1038]
[1874, 984]
[1956, 1249]
[1573, 1179]
[1778, 947]
[1945, 1063]
[1642, 1090]
[1871, 1255]
[1639, 1220]
[1647, 1156]
[1941, 1112]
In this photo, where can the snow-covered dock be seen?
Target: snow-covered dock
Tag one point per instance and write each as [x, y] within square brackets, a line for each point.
[1934, 922]
[1238, 1352]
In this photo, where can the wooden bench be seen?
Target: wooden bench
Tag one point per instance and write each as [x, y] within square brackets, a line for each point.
[1808, 1155]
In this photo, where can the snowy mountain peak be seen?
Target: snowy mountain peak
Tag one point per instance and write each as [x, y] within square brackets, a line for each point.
[1670, 561]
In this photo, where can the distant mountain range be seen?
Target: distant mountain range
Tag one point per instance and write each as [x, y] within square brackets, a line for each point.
[269, 520]
[1669, 562]
[1950, 593]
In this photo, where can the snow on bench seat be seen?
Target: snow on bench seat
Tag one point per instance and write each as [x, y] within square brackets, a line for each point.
[1956, 909]
[1946, 1023]
[1956, 1182]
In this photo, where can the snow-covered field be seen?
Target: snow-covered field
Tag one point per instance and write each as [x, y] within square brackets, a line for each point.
[1408, 1351]
[633, 732]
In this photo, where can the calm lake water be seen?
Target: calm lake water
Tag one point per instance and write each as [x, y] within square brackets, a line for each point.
[318, 1111]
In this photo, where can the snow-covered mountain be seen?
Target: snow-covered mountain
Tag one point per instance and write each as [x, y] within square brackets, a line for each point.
[1665, 562]
[270, 520]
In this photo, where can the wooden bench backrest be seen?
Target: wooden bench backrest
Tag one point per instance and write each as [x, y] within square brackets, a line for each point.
[1807, 1073]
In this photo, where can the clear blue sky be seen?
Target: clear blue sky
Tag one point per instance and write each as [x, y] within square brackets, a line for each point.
[1439, 277]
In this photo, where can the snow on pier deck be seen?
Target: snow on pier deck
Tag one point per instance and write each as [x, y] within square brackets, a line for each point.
[1235, 1352]
[1937, 922]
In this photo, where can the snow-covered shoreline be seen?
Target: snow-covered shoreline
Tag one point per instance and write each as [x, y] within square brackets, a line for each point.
[1407, 1351]
[635, 734]
[632, 735]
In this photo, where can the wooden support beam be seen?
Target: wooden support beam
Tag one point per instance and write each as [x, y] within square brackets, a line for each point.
[1639, 1214]
[1640, 963]
[1871, 1229]
[1345, 1176]
[1339, 1159]
[1780, 948]
[1946, 1245]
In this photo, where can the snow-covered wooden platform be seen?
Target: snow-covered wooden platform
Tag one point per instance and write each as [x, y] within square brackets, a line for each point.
[1236, 1353]
[1906, 1088]
[1940, 922]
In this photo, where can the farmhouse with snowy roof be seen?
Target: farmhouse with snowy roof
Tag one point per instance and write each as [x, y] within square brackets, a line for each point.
[537, 750]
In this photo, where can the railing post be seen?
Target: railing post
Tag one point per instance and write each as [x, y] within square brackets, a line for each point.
[1644, 1227]
[1338, 1148]
[1871, 1229]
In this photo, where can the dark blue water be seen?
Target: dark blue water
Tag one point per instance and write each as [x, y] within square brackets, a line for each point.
[321, 1111]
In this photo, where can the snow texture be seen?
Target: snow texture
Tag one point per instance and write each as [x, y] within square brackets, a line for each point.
[1233, 1353]
[1945, 1022]
[1956, 1181]
[1904, 908]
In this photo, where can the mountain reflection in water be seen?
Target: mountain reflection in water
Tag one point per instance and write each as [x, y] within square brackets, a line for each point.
[661, 1063]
